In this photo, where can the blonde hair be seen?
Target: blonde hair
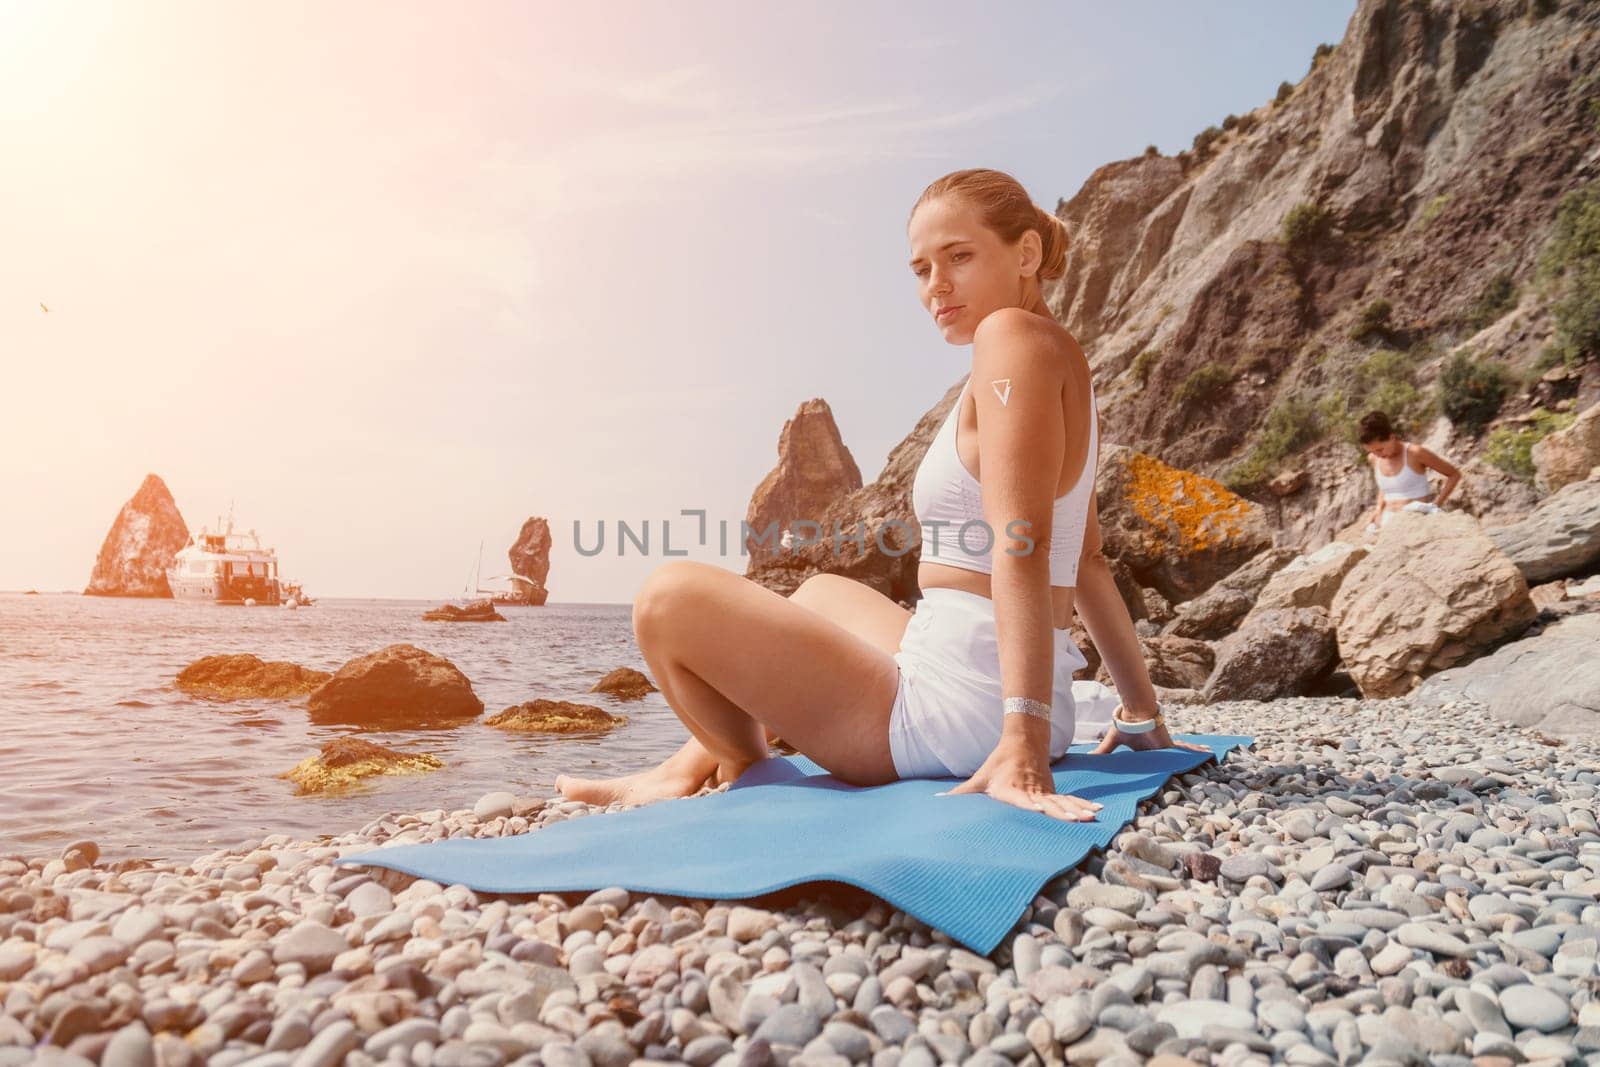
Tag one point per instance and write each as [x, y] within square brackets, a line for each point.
[1008, 210]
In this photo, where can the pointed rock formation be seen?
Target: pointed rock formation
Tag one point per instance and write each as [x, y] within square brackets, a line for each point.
[530, 562]
[891, 568]
[814, 471]
[147, 534]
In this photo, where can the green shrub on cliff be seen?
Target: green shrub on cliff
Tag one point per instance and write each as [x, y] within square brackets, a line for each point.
[1498, 297]
[1472, 390]
[1285, 91]
[1511, 449]
[1373, 321]
[1292, 424]
[1203, 384]
[1570, 264]
[1205, 139]
[1431, 209]
[1306, 225]
[1385, 380]
[1143, 362]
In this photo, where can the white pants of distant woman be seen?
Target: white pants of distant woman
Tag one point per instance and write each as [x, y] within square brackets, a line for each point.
[1416, 507]
[947, 712]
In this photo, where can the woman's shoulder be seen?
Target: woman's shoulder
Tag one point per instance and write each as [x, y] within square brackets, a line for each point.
[1019, 330]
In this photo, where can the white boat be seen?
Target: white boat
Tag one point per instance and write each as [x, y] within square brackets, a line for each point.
[225, 568]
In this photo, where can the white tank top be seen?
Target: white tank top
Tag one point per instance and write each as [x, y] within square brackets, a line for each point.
[1407, 483]
[944, 492]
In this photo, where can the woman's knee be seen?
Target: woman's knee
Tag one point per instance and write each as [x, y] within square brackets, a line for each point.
[667, 591]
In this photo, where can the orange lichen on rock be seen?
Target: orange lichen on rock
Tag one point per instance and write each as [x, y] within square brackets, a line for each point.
[1198, 511]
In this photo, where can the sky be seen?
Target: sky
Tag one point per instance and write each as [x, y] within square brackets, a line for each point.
[387, 280]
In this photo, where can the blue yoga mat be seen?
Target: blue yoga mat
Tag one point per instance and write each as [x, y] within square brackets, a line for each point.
[967, 865]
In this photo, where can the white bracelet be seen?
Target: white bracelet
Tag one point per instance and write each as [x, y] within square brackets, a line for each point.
[1026, 706]
[1142, 727]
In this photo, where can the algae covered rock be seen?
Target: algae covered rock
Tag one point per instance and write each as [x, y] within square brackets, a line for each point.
[345, 761]
[239, 677]
[556, 717]
[624, 683]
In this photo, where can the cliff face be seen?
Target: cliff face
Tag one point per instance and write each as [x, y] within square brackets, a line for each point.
[147, 534]
[1331, 251]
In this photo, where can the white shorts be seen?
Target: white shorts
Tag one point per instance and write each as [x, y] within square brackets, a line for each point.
[947, 713]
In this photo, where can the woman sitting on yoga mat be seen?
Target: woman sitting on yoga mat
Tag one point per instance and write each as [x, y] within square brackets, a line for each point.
[977, 682]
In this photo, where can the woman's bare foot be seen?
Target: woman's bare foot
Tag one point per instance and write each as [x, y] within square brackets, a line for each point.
[658, 783]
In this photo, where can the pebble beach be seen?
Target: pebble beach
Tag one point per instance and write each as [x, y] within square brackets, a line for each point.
[1379, 882]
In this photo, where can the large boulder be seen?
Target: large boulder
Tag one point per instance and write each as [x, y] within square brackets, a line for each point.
[401, 685]
[1275, 653]
[1568, 455]
[147, 533]
[1550, 681]
[237, 677]
[1180, 533]
[814, 470]
[530, 562]
[1560, 538]
[1173, 662]
[1434, 591]
[1310, 581]
[624, 683]
[1213, 613]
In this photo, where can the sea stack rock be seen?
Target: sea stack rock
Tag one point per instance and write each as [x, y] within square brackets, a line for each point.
[146, 535]
[530, 561]
[814, 470]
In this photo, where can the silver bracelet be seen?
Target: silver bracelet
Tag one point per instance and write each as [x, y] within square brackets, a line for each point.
[1026, 706]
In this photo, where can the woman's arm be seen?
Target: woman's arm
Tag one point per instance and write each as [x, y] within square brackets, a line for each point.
[1430, 461]
[1105, 616]
[1017, 383]
[1377, 514]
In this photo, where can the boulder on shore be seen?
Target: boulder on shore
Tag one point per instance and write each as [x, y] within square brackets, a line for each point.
[1180, 532]
[344, 761]
[398, 685]
[624, 683]
[1213, 613]
[1433, 592]
[1550, 681]
[1172, 662]
[1310, 581]
[147, 533]
[1560, 538]
[556, 717]
[1275, 653]
[238, 677]
[477, 611]
[1568, 455]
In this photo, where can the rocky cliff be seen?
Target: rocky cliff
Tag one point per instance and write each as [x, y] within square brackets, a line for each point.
[1414, 226]
[814, 470]
[1340, 247]
[139, 548]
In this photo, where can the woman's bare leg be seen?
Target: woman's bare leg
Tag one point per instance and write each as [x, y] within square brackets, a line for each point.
[865, 613]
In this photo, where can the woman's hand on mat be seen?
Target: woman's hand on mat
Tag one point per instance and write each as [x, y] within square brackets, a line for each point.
[1157, 738]
[1016, 776]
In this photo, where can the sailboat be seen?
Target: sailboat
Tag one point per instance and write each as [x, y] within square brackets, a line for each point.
[475, 590]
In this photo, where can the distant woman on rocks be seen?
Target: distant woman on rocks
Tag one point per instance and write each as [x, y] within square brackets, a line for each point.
[977, 681]
[1401, 470]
